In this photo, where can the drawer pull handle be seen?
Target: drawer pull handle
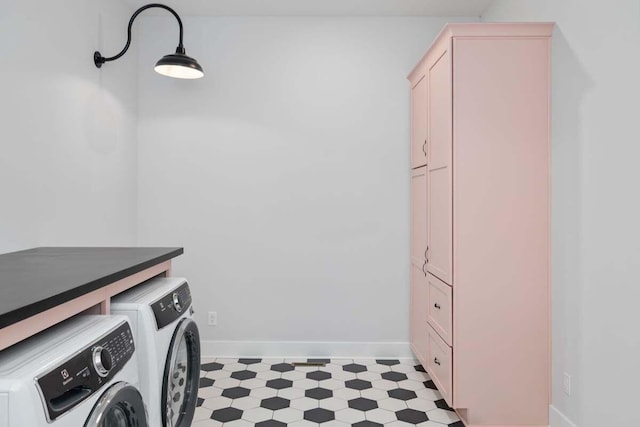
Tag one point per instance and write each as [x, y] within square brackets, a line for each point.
[436, 305]
[436, 361]
[423, 145]
[423, 266]
[426, 258]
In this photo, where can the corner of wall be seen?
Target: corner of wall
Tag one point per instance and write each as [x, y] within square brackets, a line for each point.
[487, 11]
[558, 419]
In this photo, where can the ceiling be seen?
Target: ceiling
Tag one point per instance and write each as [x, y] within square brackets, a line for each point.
[327, 7]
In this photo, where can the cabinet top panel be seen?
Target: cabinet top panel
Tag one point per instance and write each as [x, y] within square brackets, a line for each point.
[485, 29]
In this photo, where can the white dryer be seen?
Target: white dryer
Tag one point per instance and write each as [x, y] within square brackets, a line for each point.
[161, 315]
[80, 373]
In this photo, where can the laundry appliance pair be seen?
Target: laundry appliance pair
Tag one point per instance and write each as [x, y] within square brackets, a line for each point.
[137, 367]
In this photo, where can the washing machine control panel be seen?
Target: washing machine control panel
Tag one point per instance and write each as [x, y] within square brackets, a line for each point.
[86, 372]
[172, 305]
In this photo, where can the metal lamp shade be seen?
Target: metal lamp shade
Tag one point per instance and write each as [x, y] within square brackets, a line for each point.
[180, 66]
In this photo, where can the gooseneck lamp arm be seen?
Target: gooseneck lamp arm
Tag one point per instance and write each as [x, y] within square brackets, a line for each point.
[99, 59]
[173, 65]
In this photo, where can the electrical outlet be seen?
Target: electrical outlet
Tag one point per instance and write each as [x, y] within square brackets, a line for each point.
[566, 384]
[213, 318]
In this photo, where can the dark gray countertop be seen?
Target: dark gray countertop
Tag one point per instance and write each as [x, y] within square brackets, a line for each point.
[38, 279]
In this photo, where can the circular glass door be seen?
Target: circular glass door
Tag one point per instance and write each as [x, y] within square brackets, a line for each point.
[120, 406]
[182, 373]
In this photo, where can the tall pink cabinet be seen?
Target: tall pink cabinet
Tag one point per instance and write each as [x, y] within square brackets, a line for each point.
[480, 270]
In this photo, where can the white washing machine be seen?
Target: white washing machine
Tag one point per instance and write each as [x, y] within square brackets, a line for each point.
[80, 373]
[161, 316]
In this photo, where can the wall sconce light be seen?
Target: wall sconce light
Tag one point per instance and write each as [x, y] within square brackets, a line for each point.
[177, 65]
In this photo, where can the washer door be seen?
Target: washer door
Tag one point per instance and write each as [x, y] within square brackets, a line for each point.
[120, 406]
[181, 376]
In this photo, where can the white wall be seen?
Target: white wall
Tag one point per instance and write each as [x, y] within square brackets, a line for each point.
[595, 207]
[68, 134]
[285, 175]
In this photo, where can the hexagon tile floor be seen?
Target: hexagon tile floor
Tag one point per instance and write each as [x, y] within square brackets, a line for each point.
[361, 393]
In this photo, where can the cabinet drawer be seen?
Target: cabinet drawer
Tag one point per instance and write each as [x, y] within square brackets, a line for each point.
[440, 365]
[440, 309]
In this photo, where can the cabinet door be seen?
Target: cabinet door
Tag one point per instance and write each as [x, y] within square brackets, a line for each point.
[419, 287]
[419, 219]
[419, 123]
[439, 145]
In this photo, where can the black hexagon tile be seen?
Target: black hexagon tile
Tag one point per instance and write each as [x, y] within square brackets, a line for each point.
[411, 416]
[318, 375]
[419, 368]
[402, 394]
[199, 402]
[388, 362]
[282, 367]
[214, 366]
[394, 376]
[206, 382]
[249, 361]
[243, 375]
[271, 423]
[430, 385]
[226, 415]
[275, 403]
[354, 367]
[279, 383]
[236, 392]
[367, 424]
[318, 393]
[442, 404]
[363, 404]
[319, 415]
[358, 384]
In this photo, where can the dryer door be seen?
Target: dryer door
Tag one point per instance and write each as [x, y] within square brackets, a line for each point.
[181, 376]
[120, 406]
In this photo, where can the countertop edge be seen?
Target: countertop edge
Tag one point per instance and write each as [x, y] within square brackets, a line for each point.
[25, 312]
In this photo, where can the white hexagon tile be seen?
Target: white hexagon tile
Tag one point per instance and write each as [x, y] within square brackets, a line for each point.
[361, 393]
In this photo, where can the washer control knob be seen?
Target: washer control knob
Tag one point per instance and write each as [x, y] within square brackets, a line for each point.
[177, 304]
[102, 361]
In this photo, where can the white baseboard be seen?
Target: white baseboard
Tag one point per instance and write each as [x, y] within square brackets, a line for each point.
[398, 350]
[558, 419]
